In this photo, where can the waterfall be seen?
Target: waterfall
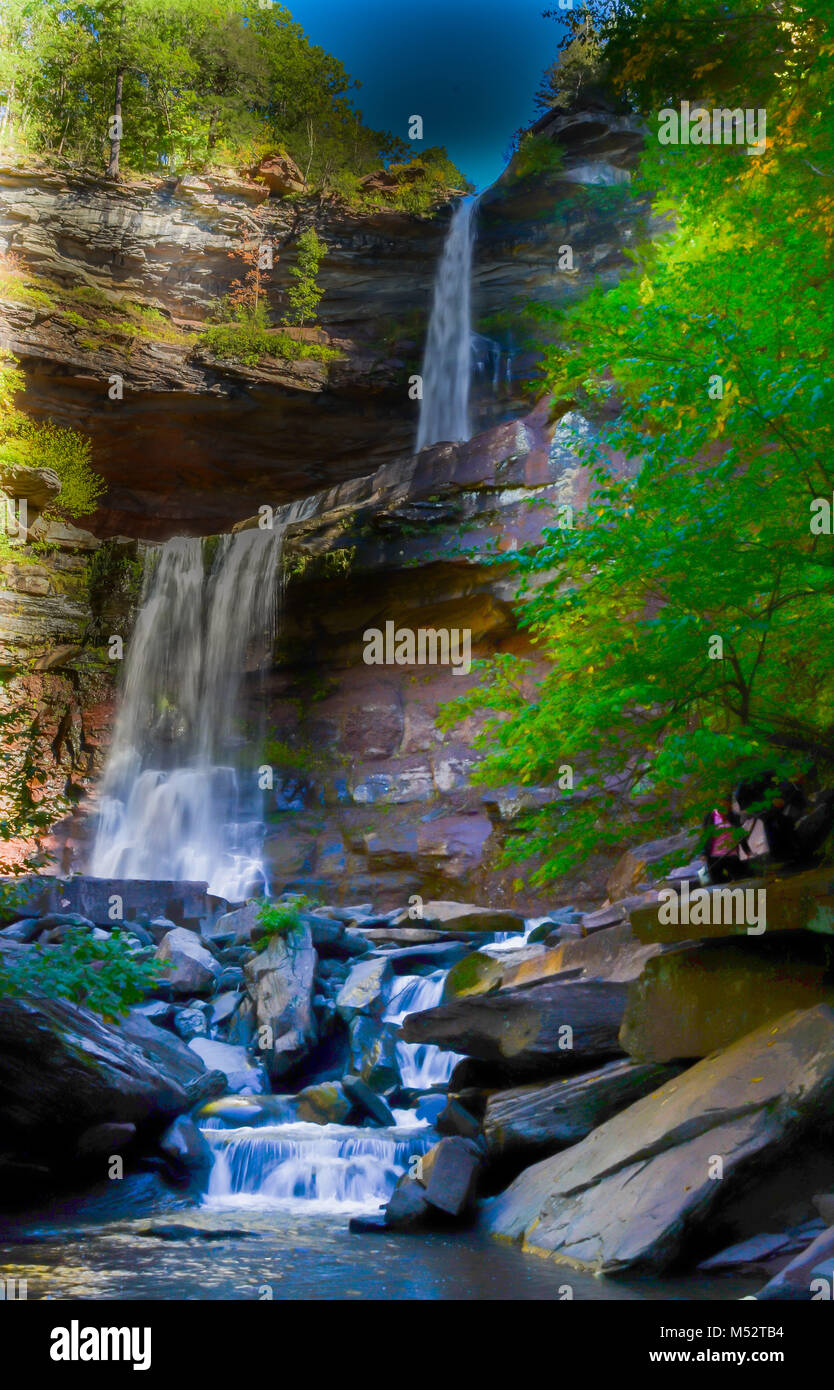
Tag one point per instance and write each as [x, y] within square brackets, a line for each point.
[176, 801]
[422, 1065]
[447, 364]
[333, 1168]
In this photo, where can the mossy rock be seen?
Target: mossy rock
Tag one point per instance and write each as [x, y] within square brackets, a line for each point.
[477, 973]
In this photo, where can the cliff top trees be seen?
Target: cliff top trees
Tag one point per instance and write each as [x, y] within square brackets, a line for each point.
[194, 82]
[687, 617]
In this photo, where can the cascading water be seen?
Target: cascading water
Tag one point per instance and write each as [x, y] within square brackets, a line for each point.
[447, 364]
[333, 1168]
[175, 800]
[422, 1065]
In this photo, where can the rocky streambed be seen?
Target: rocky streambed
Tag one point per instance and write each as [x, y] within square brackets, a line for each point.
[378, 1096]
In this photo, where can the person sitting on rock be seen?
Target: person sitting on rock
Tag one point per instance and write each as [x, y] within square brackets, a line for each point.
[723, 847]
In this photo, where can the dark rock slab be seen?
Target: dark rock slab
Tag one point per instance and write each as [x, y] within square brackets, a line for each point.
[531, 1121]
[547, 1027]
[641, 1189]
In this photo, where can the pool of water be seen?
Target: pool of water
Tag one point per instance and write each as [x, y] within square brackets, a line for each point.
[199, 1253]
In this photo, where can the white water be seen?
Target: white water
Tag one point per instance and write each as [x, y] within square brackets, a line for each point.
[177, 798]
[447, 364]
[422, 1065]
[336, 1167]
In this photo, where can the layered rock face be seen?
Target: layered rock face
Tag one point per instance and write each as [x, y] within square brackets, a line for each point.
[372, 797]
[196, 442]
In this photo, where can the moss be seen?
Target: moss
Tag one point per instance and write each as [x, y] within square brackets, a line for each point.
[22, 290]
[250, 343]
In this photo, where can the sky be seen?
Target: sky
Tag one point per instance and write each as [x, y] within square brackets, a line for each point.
[470, 68]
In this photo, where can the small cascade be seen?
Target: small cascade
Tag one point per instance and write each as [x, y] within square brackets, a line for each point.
[422, 1065]
[447, 363]
[336, 1168]
[179, 797]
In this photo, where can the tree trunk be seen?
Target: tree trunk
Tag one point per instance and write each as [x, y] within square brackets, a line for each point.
[116, 137]
[212, 130]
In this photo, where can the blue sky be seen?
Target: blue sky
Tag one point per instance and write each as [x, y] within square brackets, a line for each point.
[468, 67]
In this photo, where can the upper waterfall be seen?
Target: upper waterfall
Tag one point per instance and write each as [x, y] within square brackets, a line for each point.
[447, 363]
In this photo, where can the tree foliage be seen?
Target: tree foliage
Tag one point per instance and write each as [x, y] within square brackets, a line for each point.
[710, 367]
[202, 82]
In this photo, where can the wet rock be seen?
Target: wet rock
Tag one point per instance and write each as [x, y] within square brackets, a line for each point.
[241, 1073]
[408, 1205]
[105, 1139]
[455, 1119]
[689, 1002]
[638, 1191]
[368, 1225]
[193, 969]
[63, 1071]
[531, 1121]
[190, 1023]
[233, 1110]
[223, 1006]
[325, 1104]
[279, 980]
[367, 1100]
[184, 1145]
[807, 1278]
[477, 973]
[553, 1026]
[363, 990]
[452, 916]
[373, 1052]
[449, 1175]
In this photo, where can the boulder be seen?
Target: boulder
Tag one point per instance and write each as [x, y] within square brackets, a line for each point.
[280, 173]
[184, 1146]
[363, 990]
[476, 973]
[325, 1104]
[242, 1074]
[408, 1206]
[236, 926]
[809, 1277]
[643, 1188]
[193, 969]
[190, 1023]
[528, 1122]
[455, 1119]
[279, 980]
[63, 1071]
[373, 1052]
[692, 1001]
[550, 1027]
[105, 1139]
[451, 916]
[630, 869]
[449, 1174]
[367, 1100]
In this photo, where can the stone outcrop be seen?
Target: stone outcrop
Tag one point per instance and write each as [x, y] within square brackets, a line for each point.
[279, 981]
[552, 1027]
[679, 1167]
[530, 1121]
[64, 1072]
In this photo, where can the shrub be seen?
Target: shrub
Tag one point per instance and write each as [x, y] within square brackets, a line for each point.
[105, 976]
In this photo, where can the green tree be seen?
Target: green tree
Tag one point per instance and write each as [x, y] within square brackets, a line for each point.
[305, 292]
[685, 620]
